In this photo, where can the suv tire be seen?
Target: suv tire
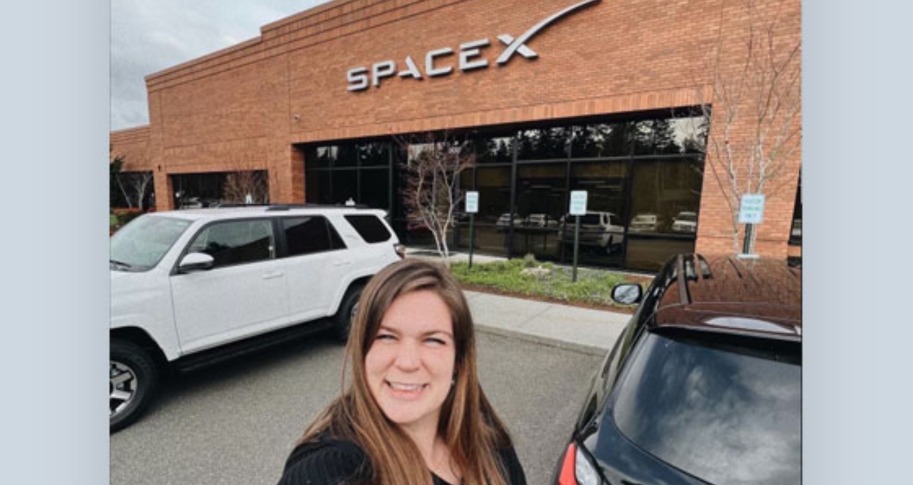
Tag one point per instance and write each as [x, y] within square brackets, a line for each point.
[346, 312]
[133, 380]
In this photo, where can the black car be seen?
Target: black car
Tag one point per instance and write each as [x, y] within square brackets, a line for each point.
[704, 383]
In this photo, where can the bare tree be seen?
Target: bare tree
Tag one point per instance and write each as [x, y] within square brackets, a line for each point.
[756, 103]
[431, 192]
[133, 186]
[238, 185]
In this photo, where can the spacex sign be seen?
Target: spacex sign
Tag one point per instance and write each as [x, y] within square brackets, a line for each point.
[469, 56]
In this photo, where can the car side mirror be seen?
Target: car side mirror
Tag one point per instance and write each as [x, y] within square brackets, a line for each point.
[626, 293]
[195, 262]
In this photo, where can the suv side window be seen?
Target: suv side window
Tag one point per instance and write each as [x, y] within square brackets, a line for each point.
[369, 228]
[310, 234]
[236, 242]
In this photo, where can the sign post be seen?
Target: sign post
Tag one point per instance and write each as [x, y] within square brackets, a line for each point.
[751, 212]
[472, 206]
[578, 208]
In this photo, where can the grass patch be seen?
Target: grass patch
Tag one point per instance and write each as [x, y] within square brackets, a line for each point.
[531, 278]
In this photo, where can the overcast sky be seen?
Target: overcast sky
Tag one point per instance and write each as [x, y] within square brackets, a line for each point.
[148, 36]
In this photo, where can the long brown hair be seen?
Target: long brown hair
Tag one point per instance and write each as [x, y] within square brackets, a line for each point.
[468, 423]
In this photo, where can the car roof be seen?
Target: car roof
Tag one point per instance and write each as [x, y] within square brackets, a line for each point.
[755, 297]
[273, 210]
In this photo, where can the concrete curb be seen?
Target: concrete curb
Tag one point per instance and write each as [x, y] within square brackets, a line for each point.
[537, 339]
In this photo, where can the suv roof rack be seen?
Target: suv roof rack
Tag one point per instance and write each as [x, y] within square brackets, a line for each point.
[285, 207]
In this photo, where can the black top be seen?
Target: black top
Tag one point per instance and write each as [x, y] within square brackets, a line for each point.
[333, 462]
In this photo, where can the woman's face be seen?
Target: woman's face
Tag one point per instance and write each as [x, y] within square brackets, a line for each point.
[409, 366]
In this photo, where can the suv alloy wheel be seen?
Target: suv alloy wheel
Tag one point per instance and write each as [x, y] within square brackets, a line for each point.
[133, 377]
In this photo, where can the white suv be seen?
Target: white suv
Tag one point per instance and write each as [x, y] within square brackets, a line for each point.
[601, 231]
[191, 287]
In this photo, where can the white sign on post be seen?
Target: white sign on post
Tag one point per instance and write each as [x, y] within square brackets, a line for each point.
[472, 202]
[752, 209]
[578, 202]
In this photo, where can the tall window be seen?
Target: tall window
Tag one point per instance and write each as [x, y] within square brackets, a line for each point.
[643, 175]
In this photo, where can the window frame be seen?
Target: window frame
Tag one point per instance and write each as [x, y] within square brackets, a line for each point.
[283, 246]
[186, 249]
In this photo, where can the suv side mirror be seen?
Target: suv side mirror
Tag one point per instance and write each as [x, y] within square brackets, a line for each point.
[626, 293]
[195, 262]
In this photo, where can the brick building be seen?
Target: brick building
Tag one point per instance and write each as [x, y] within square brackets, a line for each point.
[554, 96]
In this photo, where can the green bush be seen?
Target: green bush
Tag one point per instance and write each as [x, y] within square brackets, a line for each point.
[593, 287]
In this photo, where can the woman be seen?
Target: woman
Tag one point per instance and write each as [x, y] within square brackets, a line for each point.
[414, 413]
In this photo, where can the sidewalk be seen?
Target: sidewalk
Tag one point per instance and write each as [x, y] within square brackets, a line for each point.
[581, 329]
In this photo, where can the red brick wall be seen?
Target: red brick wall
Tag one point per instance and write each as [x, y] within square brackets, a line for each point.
[242, 108]
[133, 145]
[719, 205]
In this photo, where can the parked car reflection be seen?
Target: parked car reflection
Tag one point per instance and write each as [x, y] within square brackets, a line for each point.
[685, 221]
[645, 223]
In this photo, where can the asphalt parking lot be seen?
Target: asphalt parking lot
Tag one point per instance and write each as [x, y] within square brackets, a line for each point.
[236, 422]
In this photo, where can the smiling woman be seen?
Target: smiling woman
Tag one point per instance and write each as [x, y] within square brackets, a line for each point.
[414, 413]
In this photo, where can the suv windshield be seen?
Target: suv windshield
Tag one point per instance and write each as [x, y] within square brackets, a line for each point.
[141, 244]
[722, 416]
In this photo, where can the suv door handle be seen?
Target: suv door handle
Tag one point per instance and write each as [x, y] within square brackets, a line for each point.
[277, 274]
[342, 262]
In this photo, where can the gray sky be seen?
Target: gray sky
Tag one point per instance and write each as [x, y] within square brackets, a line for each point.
[148, 36]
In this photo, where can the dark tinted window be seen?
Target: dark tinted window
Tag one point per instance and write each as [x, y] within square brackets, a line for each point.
[725, 417]
[306, 235]
[369, 227]
[235, 242]
[494, 148]
[592, 219]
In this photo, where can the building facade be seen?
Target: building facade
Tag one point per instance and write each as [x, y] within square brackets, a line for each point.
[552, 96]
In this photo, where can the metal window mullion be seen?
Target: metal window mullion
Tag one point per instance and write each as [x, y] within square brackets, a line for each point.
[513, 194]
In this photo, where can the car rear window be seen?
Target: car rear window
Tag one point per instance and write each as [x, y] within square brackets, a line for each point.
[590, 219]
[369, 227]
[722, 416]
[308, 235]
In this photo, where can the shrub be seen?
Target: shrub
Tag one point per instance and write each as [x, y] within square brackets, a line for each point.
[529, 277]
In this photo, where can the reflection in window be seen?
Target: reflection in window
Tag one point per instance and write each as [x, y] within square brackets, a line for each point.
[369, 228]
[198, 190]
[373, 154]
[691, 133]
[541, 203]
[236, 242]
[655, 137]
[795, 233]
[721, 416]
[543, 143]
[493, 149]
[307, 235]
[664, 191]
[630, 168]
[325, 156]
[144, 241]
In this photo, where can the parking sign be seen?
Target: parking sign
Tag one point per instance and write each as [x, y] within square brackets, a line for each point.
[578, 202]
[472, 202]
[752, 209]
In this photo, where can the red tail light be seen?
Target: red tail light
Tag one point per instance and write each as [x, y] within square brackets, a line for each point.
[566, 477]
